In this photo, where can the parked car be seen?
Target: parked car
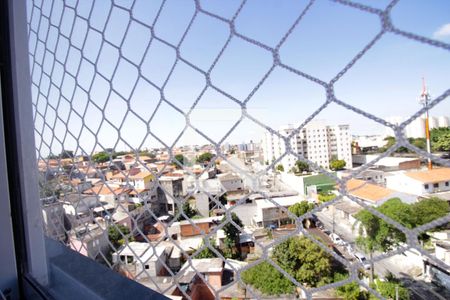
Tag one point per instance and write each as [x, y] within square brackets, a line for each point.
[336, 239]
[362, 259]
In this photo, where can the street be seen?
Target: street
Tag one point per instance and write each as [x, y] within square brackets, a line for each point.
[419, 289]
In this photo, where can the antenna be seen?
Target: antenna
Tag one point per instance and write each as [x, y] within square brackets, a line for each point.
[424, 98]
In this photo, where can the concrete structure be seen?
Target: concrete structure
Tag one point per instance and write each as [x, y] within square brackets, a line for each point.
[389, 163]
[134, 177]
[369, 142]
[211, 270]
[308, 185]
[172, 188]
[317, 142]
[79, 208]
[231, 182]
[90, 240]
[420, 182]
[370, 175]
[269, 213]
[416, 129]
[54, 218]
[142, 259]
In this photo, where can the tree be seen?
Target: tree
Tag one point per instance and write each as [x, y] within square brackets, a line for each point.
[304, 260]
[206, 251]
[349, 291]
[188, 211]
[420, 143]
[267, 279]
[232, 233]
[181, 159]
[390, 141]
[301, 208]
[280, 168]
[102, 157]
[440, 139]
[326, 196]
[117, 235]
[428, 210]
[387, 289]
[205, 158]
[378, 235]
[337, 164]
[302, 166]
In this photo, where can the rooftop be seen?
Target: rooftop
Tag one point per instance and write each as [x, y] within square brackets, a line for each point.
[281, 201]
[145, 251]
[433, 175]
[203, 265]
[367, 191]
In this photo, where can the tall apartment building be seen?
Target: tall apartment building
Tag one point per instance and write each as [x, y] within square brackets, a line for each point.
[317, 142]
[416, 129]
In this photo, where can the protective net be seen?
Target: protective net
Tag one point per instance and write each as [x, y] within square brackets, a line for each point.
[91, 60]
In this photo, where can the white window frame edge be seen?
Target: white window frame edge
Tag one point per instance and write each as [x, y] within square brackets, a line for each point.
[24, 130]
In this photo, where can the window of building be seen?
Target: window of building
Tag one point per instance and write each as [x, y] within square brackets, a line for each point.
[446, 183]
[426, 186]
[435, 185]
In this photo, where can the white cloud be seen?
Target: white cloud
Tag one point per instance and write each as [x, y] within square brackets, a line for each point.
[442, 32]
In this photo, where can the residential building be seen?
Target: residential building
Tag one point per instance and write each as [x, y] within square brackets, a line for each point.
[54, 216]
[371, 175]
[90, 240]
[79, 208]
[142, 260]
[231, 182]
[269, 212]
[211, 269]
[317, 142]
[172, 188]
[422, 182]
[367, 143]
[376, 195]
[134, 177]
[416, 129]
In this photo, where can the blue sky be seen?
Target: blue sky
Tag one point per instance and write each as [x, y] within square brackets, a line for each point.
[386, 81]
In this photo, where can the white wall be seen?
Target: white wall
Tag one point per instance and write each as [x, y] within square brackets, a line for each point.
[233, 184]
[402, 183]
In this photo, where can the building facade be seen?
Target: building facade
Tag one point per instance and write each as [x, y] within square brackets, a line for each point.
[416, 129]
[318, 142]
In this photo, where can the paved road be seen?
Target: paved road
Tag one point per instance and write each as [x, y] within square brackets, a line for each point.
[419, 290]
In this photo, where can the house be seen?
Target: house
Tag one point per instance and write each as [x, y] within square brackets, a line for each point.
[370, 175]
[231, 182]
[54, 216]
[172, 187]
[211, 269]
[108, 192]
[134, 177]
[90, 240]
[79, 208]
[196, 226]
[422, 182]
[142, 260]
[269, 212]
[439, 273]
[373, 194]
